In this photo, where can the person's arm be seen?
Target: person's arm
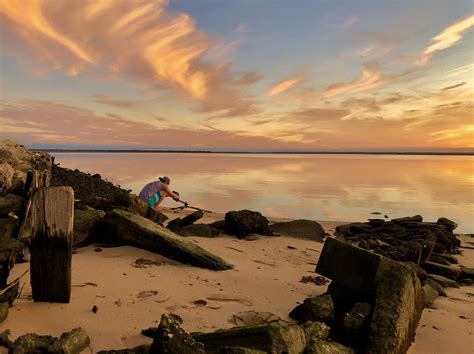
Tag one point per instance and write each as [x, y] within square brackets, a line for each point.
[174, 195]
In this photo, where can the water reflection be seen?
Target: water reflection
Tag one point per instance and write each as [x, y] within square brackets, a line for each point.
[324, 187]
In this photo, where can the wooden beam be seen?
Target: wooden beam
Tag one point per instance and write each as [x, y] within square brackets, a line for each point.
[52, 217]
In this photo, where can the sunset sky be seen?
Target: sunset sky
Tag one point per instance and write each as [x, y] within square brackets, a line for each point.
[238, 75]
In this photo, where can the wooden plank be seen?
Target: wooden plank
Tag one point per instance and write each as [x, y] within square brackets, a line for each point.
[52, 217]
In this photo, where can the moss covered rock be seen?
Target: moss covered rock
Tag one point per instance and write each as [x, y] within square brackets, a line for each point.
[307, 229]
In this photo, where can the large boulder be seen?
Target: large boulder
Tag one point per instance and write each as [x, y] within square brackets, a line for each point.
[307, 229]
[271, 338]
[450, 225]
[6, 176]
[84, 223]
[395, 290]
[122, 227]
[319, 308]
[243, 222]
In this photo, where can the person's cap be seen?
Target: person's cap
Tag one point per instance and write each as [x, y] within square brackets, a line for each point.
[165, 179]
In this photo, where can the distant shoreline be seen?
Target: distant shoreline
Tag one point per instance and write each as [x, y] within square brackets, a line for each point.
[261, 152]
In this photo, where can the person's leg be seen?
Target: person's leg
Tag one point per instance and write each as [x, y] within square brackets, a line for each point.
[160, 200]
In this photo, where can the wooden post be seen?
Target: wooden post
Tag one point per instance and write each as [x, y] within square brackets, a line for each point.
[52, 217]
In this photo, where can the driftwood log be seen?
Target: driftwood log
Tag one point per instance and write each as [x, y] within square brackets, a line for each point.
[52, 217]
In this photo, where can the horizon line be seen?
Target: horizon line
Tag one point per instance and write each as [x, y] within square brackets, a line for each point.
[280, 152]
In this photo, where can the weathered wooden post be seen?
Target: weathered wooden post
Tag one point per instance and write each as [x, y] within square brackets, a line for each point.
[52, 216]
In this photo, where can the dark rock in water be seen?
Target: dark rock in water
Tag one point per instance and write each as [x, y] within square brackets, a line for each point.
[121, 227]
[416, 218]
[325, 347]
[176, 224]
[244, 222]
[10, 203]
[156, 216]
[435, 285]
[318, 280]
[202, 230]
[170, 338]
[443, 281]
[445, 271]
[306, 229]
[84, 222]
[430, 294]
[467, 273]
[319, 308]
[270, 338]
[450, 225]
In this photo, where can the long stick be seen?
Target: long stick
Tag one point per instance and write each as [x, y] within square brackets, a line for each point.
[13, 283]
[186, 205]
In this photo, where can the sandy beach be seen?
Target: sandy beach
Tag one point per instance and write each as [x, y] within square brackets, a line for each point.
[131, 297]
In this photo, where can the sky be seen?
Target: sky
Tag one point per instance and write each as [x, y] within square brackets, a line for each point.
[294, 75]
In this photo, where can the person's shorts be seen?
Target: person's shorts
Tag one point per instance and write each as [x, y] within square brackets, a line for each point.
[154, 199]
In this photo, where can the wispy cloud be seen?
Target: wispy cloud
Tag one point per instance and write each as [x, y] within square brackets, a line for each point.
[371, 77]
[448, 37]
[283, 85]
[140, 41]
[110, 101]
[349, 23]
[454, 86]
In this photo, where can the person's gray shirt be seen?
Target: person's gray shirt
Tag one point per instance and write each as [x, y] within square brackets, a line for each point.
[150, 189]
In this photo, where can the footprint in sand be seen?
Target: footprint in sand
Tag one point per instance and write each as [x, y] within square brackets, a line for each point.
[231, 298]
[142, 295]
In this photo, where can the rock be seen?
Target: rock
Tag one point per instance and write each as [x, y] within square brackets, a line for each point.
[122, 227]
[319, 308]
[11, 294]
[239, 350]
[376, 222]
[219, 225]
[325, 347]
[10, 203]
[467, 273]
[18, 182]
[450, 225]
[443, 281]
[72, 342]
[306, 229]
[141, 349]
[435, 285]
[202, 230]
[9, 248]
[137, 206]
[3, 311]
[445, 271]
[318, 280]
[314, 331]
[84, 222]
[416, 218]
[176, 224]
[5, 340]
[271, 338]
[156, 216]
[420, 272]
[449, 257]
[6, 176]
[95, 309]
[355, 324]
[357, 270]
[430, 294]
[244, 222]
[440, 260]
[170, 338]
[399, 303]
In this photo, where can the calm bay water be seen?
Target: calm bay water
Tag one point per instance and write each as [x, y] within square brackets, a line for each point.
[319, 187]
